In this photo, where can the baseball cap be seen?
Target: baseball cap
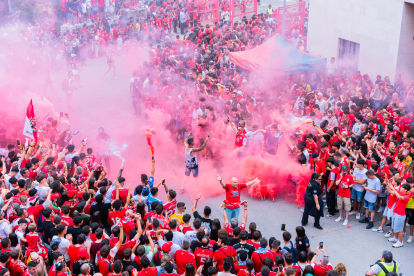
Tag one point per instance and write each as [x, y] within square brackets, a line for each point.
[320, 94]
[54, 244]
[83, 254]
[71, 193]
[344, 168]
[54, 196]
[314, 155]
[166, 247]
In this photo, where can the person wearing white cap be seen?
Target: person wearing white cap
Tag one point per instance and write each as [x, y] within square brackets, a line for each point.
[323, 104]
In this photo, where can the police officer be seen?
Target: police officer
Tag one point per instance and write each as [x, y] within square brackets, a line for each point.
[386, 266]
[313, 201]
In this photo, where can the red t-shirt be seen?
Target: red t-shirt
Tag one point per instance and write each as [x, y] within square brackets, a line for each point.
[259, 257]
[67, 221]
[321, 270]
[182, 258]
[35, 211]
[105, 265]
[221, 254]
[346, 181]
[233, 195]
[201, 254]
[230, 230]
[123, 193]
[73, 253]
[399, 207]
[116, 217]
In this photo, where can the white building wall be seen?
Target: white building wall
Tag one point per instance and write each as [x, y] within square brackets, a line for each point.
[405, 60]
[374, 24]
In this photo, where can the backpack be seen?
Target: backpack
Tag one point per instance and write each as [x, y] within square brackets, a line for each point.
[394, 270]
[292, 251]
[158, 257]
[65, 84]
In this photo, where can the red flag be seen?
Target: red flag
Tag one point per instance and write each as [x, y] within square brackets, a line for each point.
[30, 129]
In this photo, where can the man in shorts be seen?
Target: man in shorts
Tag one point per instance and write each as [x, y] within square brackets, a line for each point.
[372, 188]
[398, 218]
[111, 62]
[191, 163]
[357, 191]
[345, 182]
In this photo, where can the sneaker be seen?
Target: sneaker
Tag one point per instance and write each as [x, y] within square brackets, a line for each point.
[381, 209]
[329, 215]
[339, 219]
[345, 223]
[398, 244]
[392, 239]
[352, 213]
[389, 234]
[364, 220]
[358, 216]
[370, 225]
[378, 230]
[410, 240]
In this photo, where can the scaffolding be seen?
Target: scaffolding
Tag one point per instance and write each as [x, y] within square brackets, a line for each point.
[205, 11]
[240, 8]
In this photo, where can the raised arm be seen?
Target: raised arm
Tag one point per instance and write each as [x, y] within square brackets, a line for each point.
[120, 172]
[221, 181]
[203, 146]
[250, 183]
[225, 216]
[153, 167]
[195, 203]
[151, 242]
[231, 124]
[245, 213]
[128, 197]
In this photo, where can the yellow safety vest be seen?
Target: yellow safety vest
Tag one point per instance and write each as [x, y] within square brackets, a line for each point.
[389, 268]
[270, 11]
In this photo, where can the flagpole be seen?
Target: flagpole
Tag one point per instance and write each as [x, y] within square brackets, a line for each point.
[284, 17]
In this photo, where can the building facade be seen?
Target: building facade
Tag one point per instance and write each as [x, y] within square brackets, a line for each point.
[372, 36]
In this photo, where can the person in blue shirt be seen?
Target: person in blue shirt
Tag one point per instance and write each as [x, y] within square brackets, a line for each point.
[146, 182]
[153, 196]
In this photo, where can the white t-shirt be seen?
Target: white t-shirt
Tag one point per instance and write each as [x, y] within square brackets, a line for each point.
[69, 156]
[83, 5]
[4, 228]
[191, 235]
[178, 238]
[63, 247]
[359, 175]
[174, 248]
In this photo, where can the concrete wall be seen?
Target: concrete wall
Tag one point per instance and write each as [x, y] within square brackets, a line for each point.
[405, 60]
[374, 24]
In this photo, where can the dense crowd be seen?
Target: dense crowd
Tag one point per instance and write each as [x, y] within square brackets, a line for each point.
[62, 214]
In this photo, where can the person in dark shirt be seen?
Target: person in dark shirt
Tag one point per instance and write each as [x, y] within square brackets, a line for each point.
[197, 243]
[76, 230]
[235, 239]
[102, 208]
[127, 259]
[52, 232]
[243, 245]
[47, 224]
[205, 219]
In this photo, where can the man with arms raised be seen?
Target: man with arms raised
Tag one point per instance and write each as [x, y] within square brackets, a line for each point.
[232, 202]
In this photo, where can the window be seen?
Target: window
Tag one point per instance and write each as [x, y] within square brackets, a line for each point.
[348, 55]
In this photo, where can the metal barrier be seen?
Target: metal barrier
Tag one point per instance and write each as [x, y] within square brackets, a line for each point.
[239, 8]
[294, 18]
[205, 11]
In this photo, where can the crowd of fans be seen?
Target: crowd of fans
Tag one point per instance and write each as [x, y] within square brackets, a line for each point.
[62, 214]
